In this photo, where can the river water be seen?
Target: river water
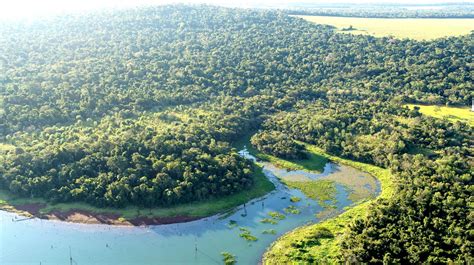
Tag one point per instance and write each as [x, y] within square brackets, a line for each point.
[37, 241]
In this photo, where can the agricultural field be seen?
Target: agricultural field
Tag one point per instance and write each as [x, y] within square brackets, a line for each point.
[418, 29]
[451, 113]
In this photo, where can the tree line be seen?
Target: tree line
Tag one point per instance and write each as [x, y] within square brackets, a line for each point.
[76, 68]
[139, 107]
[428, 220]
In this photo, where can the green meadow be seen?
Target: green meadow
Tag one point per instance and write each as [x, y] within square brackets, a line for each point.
[451, 113]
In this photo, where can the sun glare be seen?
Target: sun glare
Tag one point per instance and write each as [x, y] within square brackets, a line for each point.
[24, 9]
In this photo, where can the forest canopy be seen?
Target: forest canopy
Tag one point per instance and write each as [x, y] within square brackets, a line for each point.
[140, 107]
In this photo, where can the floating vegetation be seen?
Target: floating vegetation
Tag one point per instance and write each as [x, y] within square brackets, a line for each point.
[228, 258]
[295, 199]
[268, 221]
[277, 215]
[292, 209]
[247, 235]
[232, 224]
[269, 232]
[322, 191]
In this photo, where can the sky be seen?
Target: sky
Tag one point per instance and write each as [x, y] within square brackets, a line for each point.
[34, 8]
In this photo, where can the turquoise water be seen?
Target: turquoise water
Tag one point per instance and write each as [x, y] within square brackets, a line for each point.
[37, 241]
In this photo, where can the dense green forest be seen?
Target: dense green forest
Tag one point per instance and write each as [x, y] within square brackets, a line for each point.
[139, 107]
[279, 144]
[430, 217]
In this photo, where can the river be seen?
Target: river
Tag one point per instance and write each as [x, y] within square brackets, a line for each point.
[37, 241]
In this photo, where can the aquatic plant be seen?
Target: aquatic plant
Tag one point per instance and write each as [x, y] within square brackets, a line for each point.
[228, 258]
[232, 224]
[295, 199]
[269, 231]
[247, 235]
[292, 209]
[277, 215]
[322, 191]
[268, 221]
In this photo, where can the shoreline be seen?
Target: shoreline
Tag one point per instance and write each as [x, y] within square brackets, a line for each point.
[83, 213]
[80, 216]
[336, 224]
[144, 217]
[135, 216]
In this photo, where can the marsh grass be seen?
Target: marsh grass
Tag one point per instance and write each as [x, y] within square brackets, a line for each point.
[322, 191]
[326, 249]
[228, 258]
[269, 232]
[247, 235]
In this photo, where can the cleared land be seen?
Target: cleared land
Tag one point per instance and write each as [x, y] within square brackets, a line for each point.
[418, 29]
[451, 113]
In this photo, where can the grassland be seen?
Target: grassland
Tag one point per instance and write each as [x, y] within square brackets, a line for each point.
[418, 29]
[451, 113]
[326, 251]
[198, 209]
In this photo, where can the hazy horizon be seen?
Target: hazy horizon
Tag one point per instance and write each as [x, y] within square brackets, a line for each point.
[29, 8]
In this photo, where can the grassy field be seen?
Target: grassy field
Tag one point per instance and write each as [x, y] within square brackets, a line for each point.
[451, 113]
[418, 29]
[199, 209]
[287, 247]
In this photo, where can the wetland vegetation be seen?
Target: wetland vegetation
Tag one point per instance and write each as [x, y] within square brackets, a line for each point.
[138, 112]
